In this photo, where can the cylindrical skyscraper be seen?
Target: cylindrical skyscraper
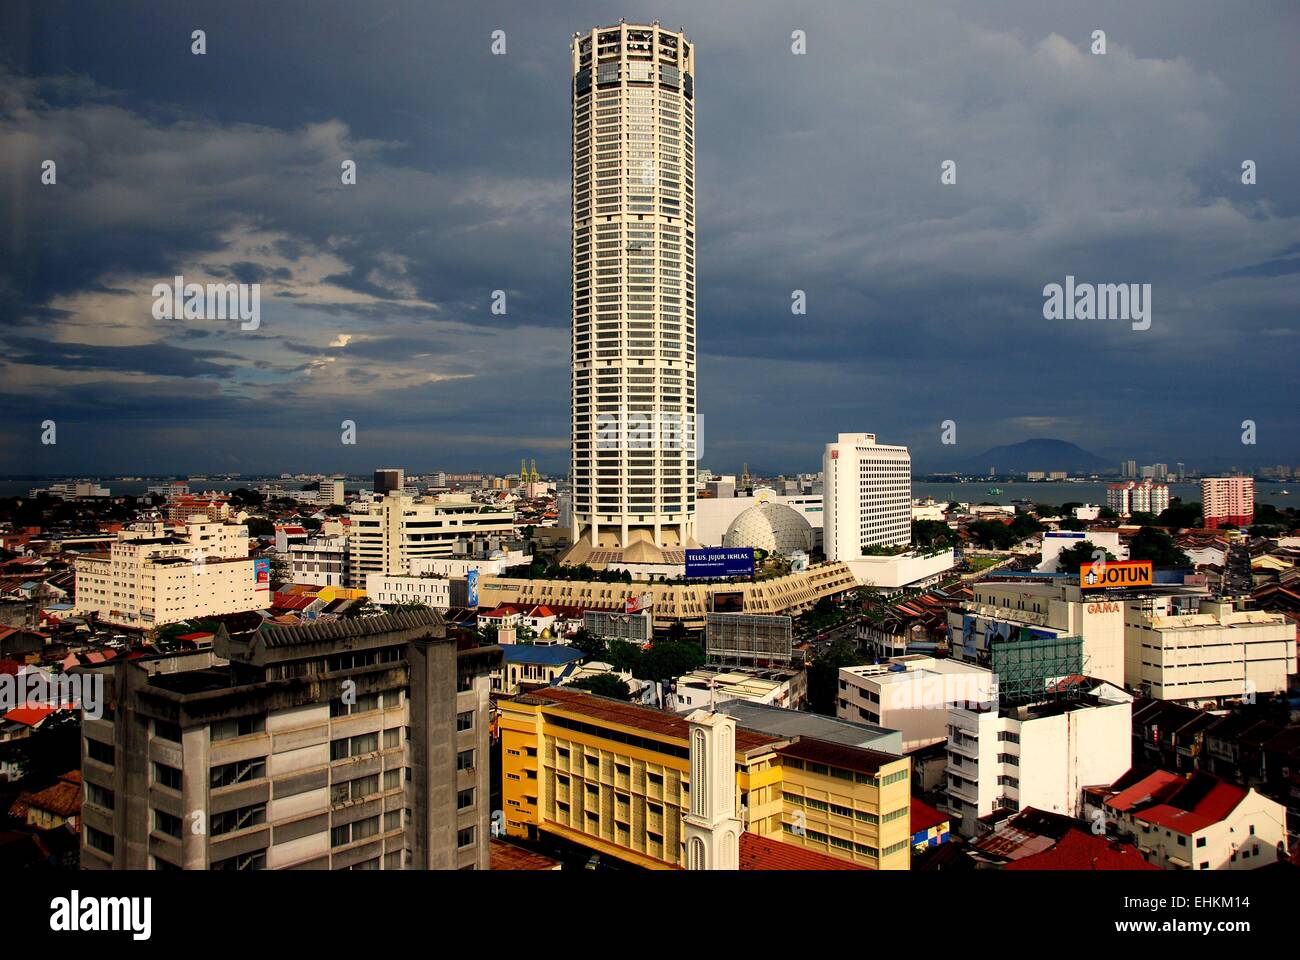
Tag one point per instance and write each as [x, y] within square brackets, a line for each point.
[633, 403]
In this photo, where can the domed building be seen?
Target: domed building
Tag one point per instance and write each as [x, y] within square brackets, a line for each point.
[773, 527]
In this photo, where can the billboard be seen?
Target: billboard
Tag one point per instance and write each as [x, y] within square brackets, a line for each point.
[262, 574]
[471, 579]
[720, 562]
[730, 602]
[1115, 573]
[749, 638]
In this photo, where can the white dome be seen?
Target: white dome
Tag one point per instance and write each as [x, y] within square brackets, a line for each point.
[773, 527]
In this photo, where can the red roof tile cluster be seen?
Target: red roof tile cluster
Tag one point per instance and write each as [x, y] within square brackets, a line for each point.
[1184, 805]
[925, 816]
[768, 853]
[1083, 851]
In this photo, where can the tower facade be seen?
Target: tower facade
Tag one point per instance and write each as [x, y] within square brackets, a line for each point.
[711, 830]
[633, 270]
[867, 496]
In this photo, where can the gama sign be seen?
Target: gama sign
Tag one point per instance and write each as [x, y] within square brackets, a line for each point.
[1116, 573]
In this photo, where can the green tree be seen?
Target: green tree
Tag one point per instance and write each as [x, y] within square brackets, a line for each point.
[1179, 514]
[932, 533]
[260, 527]
[1070, 559]
[1152, 543]
[824, 675]
[604, 685]
[668, 659]
[1106, 513]
[592, 646]
[624, 656]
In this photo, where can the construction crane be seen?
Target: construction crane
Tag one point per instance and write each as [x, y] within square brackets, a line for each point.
[533, 476]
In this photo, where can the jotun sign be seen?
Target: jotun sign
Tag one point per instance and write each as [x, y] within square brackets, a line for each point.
[1116, 573]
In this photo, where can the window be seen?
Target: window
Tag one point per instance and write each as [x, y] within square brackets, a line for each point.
[167, 731]
[239, 819]
[392, 820]
[392, 738]
[101, 752]
[167, 823]
[238, 727]
[465, 720]
[465, 799]
[464, 837]
[392, 779]
[100, 796]
[237, 772]
[166, 776]
[247, 861]
[354, 746]
[465, 760]
[99, 840]
[1200, 841]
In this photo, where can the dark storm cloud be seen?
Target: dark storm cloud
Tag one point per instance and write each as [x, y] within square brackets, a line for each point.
[817, 173]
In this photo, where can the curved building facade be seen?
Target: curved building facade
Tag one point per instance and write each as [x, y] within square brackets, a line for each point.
[632, 456]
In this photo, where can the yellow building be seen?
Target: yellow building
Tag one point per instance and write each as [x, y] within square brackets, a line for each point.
[615, 778]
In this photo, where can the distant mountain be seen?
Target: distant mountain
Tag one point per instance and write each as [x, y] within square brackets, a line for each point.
[1042, 454]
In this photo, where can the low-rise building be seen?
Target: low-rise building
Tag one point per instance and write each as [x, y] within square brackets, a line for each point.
[151, 577]
[526, 664]
[619, 780]
[390, 589]
[1203, 651]
[699, 688]
[322, 560]
[1196, 823]
[1040, 754]
[913, 694]
[1057, 609]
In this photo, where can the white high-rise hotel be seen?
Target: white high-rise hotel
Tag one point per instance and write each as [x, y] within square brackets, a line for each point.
[867, 493]
[633, 403]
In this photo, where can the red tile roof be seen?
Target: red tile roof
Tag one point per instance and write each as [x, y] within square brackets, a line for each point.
[1220, 801]
[925, 816]
[768, 853]
[1082, 851]
[28, 716]
[1180, 821]
[1158, 785]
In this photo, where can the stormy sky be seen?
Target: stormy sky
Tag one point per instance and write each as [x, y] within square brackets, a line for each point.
[817, 172]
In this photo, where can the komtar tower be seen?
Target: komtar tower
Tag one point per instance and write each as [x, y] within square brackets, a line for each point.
[634, 435]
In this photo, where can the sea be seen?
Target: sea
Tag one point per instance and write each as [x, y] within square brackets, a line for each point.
[971, 491]
[1083, 491]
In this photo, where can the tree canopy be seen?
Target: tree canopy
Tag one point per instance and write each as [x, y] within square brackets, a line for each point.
[604, 685]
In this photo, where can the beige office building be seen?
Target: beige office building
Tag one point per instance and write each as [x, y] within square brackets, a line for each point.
[153, 576]
[1206, 652]
[387, 533]
[633, 400]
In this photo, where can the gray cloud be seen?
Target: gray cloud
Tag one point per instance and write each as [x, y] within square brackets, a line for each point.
[818, 173]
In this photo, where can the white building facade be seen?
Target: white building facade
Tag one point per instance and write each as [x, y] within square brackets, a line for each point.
[867, 495]
[1037, 756]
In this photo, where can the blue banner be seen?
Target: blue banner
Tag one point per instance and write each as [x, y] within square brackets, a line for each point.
[720, 562]
[472, 580]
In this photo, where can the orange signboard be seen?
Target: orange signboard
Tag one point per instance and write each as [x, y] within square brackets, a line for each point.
[1115, 573]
